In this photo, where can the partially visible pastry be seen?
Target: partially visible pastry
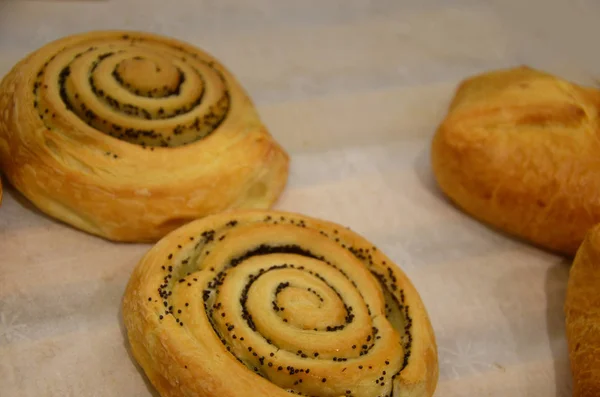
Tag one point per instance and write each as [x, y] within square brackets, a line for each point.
[519, 150]
[128, 135]
[583, 317]
[264, 303]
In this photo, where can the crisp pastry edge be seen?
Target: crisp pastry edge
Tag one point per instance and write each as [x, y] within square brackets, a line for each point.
[582, 317]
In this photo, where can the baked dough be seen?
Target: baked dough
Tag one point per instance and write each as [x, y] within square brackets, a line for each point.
[128, 135]
[583, 317]
[518, 150]
[265, 303]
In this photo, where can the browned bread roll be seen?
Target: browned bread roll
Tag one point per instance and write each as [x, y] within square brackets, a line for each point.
[264, 303]
[518, 150]
[583, 317]
[128, 135]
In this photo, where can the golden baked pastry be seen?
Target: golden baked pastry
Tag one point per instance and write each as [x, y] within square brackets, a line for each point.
[518, 150]
[583, 317]
[128, 135]
[265, 303]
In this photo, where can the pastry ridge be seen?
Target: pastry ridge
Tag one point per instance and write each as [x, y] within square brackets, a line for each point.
[128, 135]
[517, 150]
[582, 310]
[273, 303]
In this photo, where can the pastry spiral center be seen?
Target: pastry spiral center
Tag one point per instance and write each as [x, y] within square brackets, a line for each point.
[148, 77]
[306, 308]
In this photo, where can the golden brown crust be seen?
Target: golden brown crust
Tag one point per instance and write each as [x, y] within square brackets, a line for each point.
[265, 303]
[583, 317]
[128, 135]
[518, 150]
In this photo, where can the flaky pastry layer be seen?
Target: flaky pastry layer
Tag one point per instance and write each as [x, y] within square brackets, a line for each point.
[128, 135]
[518, 150]
[265, 303]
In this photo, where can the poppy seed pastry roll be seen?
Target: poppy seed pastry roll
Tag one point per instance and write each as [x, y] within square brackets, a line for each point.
[128, 135]
[582, 311]
[518, 150]
[265, 303]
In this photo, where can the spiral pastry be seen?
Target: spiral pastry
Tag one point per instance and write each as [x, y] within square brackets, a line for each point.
[265, 303]
[128, 135]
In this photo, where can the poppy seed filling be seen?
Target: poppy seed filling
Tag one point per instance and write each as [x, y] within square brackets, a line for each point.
[141, 79]
[264, 358]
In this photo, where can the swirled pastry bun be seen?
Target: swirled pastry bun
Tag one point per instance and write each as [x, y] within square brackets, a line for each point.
[518, 150]
[264, 303]
[128, 135]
